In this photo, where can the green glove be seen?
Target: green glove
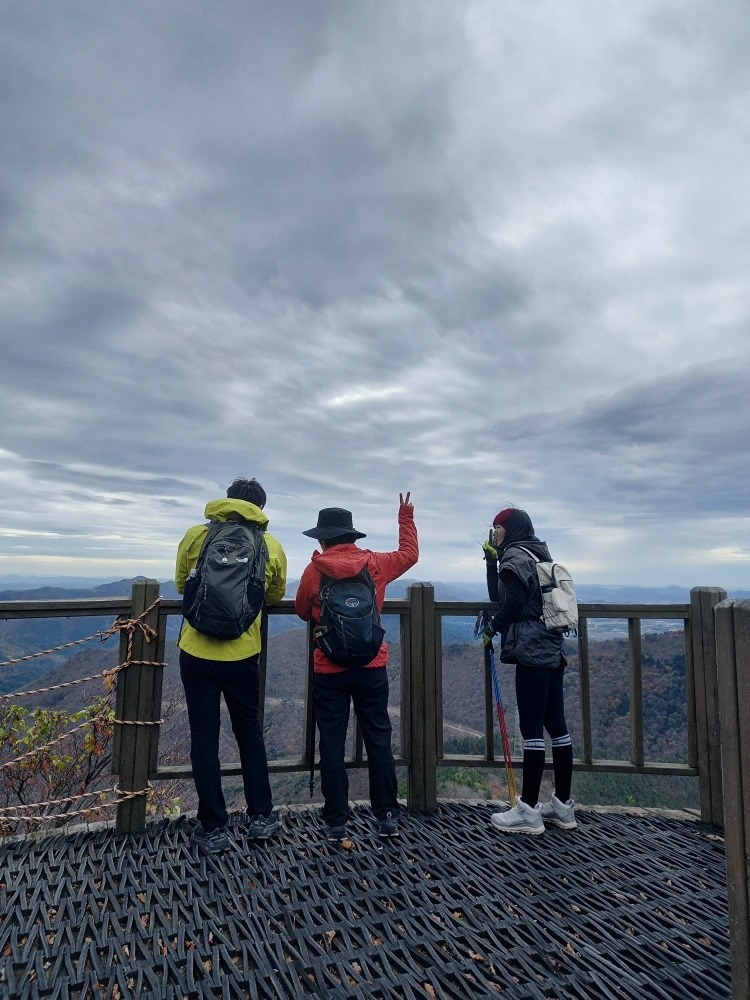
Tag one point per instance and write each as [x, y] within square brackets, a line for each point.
[490, 552]
[488, 634]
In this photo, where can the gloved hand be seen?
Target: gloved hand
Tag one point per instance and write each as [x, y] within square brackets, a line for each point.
[490, 552]
[488, 634]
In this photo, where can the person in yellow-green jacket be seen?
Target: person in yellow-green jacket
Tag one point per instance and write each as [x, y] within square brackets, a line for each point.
[211, 667]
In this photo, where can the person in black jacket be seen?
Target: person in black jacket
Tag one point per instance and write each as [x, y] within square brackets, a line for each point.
[537, 652]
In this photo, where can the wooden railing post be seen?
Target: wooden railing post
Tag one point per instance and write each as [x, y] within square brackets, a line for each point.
[587, 743]
[733, 662]
[423, 687]
[703, 600]
[138, 701]
[635, 686]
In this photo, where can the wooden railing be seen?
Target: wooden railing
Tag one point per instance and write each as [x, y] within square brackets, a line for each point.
[421, 717]
[138, 703]
[733, 735]
[717, 658]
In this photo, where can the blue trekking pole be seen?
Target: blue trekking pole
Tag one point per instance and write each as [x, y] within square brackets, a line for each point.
[489, 660]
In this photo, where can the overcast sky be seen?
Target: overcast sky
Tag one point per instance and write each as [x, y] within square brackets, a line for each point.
[488, 252]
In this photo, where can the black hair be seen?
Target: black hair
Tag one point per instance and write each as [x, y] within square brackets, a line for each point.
[341, 539]
[247, 489]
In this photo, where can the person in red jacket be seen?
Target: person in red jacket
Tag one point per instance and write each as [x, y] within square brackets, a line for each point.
[336, 687]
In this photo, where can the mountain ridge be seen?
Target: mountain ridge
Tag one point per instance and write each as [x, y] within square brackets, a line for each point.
[46, 589]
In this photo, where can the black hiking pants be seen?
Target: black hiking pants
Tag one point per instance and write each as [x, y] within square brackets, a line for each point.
[205, 681]
[367, 689]
[541, 705]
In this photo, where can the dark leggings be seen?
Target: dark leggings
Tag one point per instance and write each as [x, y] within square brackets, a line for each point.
[541, 705]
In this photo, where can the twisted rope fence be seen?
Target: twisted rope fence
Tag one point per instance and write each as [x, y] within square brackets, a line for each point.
[19, 814]
[129, 630]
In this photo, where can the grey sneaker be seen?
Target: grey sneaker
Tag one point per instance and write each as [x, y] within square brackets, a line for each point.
[261, 827]
[558, 813]
[211, 841]
[522, 818]
[388, 826]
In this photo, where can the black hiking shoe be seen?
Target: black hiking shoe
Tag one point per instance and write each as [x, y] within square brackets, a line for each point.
[388, 827]
[261, 827]
[211, 841]
[335, 834]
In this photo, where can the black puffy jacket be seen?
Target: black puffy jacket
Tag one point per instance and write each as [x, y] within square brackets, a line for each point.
[514, 584]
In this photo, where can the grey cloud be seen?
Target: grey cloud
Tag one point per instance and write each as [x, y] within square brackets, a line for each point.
[674, 444]
[470, 250]
[111, 481]
[693, 407]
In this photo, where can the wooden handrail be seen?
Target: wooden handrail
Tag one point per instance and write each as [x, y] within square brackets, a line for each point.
[421, 678]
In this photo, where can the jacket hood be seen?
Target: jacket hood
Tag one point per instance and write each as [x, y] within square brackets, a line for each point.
[518, 527]
[520, 531]
[220, 510]
[341, 560]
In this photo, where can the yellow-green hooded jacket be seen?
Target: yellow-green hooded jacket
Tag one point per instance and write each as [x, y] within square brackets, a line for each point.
[248, 644]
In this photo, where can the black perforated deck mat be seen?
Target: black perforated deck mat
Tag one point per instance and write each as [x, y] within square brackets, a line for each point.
[622, 907]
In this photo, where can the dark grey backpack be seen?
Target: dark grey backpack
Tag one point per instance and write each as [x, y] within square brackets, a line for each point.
[349, 632]
[225, 592]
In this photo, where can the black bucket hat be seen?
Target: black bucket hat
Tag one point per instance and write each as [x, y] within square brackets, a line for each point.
[332, 523]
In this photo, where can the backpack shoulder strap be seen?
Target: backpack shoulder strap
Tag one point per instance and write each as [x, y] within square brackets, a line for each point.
[365, 575]
[528, 553]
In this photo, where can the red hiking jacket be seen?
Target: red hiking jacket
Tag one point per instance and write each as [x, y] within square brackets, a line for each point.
[347, 560]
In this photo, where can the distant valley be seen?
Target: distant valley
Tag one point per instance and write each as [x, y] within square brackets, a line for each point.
[23, 636]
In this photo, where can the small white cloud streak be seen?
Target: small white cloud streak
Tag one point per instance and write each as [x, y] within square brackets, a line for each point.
[362, 394]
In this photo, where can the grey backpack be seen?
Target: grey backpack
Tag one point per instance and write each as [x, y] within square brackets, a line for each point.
[225, 592]
[559, 605]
